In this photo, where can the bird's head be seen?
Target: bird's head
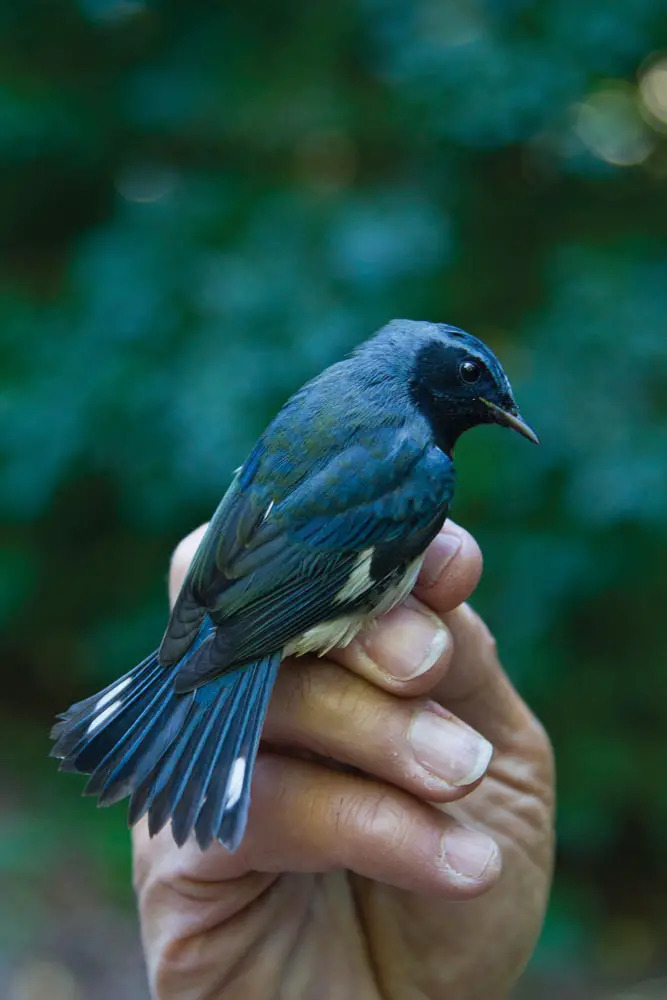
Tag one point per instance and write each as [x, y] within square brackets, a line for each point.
[456, 381]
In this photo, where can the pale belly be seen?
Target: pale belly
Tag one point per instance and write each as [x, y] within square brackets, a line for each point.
[340, 631]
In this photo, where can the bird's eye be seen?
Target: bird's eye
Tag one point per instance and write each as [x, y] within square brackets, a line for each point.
[470, 371]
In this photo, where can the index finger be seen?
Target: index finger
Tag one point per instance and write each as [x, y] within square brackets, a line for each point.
[474, 684]
[451, 569]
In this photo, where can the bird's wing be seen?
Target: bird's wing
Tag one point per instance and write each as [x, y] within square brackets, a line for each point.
[267, 571]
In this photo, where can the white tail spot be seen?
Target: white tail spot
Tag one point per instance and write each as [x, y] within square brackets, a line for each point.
[268, 511]
[235, 783]
[114, 692]
[103, 716]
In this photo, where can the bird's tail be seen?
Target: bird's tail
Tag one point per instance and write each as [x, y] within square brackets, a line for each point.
[185, 757]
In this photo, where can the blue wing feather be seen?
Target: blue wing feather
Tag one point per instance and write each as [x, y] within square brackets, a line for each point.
[268, 579]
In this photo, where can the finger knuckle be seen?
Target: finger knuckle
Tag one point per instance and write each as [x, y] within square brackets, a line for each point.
[378, 817]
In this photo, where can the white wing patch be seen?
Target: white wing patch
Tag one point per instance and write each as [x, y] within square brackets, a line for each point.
[341, 631]
[103, 716]
[235, 783]
[323, 637]
[401, 590]
[267, 511]
[359, 580]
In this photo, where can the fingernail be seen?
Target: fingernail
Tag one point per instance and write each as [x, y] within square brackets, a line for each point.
[468, 853]
[449, 749]
[407, 643]
[440, 553]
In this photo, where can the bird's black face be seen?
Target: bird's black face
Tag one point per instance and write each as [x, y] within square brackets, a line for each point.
[458, 383]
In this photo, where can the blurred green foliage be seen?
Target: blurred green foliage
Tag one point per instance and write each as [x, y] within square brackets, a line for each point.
[202, 205]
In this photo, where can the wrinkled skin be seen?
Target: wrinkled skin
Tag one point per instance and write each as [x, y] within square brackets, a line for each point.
[344, 886]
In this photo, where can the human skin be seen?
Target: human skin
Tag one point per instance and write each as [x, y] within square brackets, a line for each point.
[385, 858]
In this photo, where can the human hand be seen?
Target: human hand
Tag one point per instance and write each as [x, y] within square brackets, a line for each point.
[350, 884]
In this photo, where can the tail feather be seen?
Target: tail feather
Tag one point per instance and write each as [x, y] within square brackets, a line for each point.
[73, 730]
[223, 769]
[222, 815]
[139, 749]
[141, 718]
[163, 789]
[181, 756]
[199, 767]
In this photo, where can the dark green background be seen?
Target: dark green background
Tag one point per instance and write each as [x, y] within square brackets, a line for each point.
[201, 205]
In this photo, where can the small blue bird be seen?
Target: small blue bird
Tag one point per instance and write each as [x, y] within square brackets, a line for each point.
[323, 528]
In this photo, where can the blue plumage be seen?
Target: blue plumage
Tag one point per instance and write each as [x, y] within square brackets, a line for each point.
[323, 527]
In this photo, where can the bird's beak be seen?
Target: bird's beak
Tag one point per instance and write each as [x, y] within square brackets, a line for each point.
[511, 418]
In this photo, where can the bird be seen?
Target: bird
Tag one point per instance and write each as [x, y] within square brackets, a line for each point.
[322, 529]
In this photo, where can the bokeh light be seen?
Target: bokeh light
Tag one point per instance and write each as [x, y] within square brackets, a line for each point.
[145, 182]
[610, 126]
[653, 90]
